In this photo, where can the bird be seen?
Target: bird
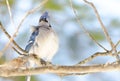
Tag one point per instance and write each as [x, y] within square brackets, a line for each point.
[43, 41]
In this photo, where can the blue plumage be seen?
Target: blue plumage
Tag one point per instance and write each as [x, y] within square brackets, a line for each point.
[44, 16]
[36, 31]
[31, 40]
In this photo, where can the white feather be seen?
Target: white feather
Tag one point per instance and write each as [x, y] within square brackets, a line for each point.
[46, 43]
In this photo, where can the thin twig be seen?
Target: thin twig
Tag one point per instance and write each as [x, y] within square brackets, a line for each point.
[101, 23]
[96, 55]
[8, 35]
[104, 28]
[7, 45]
[11, 38]
[117, 43]
[18, 51]
[118, 58]
[31, 11]
[12, 21]
[82, 26]
[10, 13]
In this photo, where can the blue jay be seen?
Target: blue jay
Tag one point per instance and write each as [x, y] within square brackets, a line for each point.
[43, 41]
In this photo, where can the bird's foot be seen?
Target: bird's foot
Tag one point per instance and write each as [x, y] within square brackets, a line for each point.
[43, 62]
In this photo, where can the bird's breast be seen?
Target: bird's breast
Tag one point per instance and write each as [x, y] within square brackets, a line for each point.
[46, 44]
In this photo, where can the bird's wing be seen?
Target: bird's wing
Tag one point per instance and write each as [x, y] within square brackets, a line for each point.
[31, 40]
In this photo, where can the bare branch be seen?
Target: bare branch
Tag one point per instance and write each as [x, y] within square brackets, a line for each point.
[7, 45]
[11, 38]
[31, 11]
[60, 70]
[117, 43]
[101, 23]
[96, 55]
[16, 67]
[19, 51]
[15, 44]
[104, 29]
[10, 13]
[82, 26]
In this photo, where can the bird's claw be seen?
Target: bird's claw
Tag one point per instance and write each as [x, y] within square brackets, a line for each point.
[43, 62]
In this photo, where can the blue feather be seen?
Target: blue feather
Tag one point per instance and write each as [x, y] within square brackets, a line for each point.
[31, 40]
[44, 16]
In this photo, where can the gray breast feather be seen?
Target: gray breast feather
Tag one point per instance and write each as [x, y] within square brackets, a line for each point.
[47, 44]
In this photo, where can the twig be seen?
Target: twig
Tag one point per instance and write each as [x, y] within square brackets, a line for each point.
[15, 44]
[10, 13]
[31, 11]
[7, 45]
[19, 51]
[113, 47]
[14, 35]
[117, 43]
[82, 26]
[101, 23]
[96, 55]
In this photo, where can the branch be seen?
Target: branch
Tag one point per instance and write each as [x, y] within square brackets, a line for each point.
[93, 56]
[113, 47]
[16, 67]
[101, 23]
[60, 70]
[82, 26]
[8, 35]
[96, 55]
[10, 13]
[117, 43]
[31, 11]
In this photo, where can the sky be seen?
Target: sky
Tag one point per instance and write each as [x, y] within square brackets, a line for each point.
[108, 7]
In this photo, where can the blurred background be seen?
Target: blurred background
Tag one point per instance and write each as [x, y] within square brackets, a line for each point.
[75, 45]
